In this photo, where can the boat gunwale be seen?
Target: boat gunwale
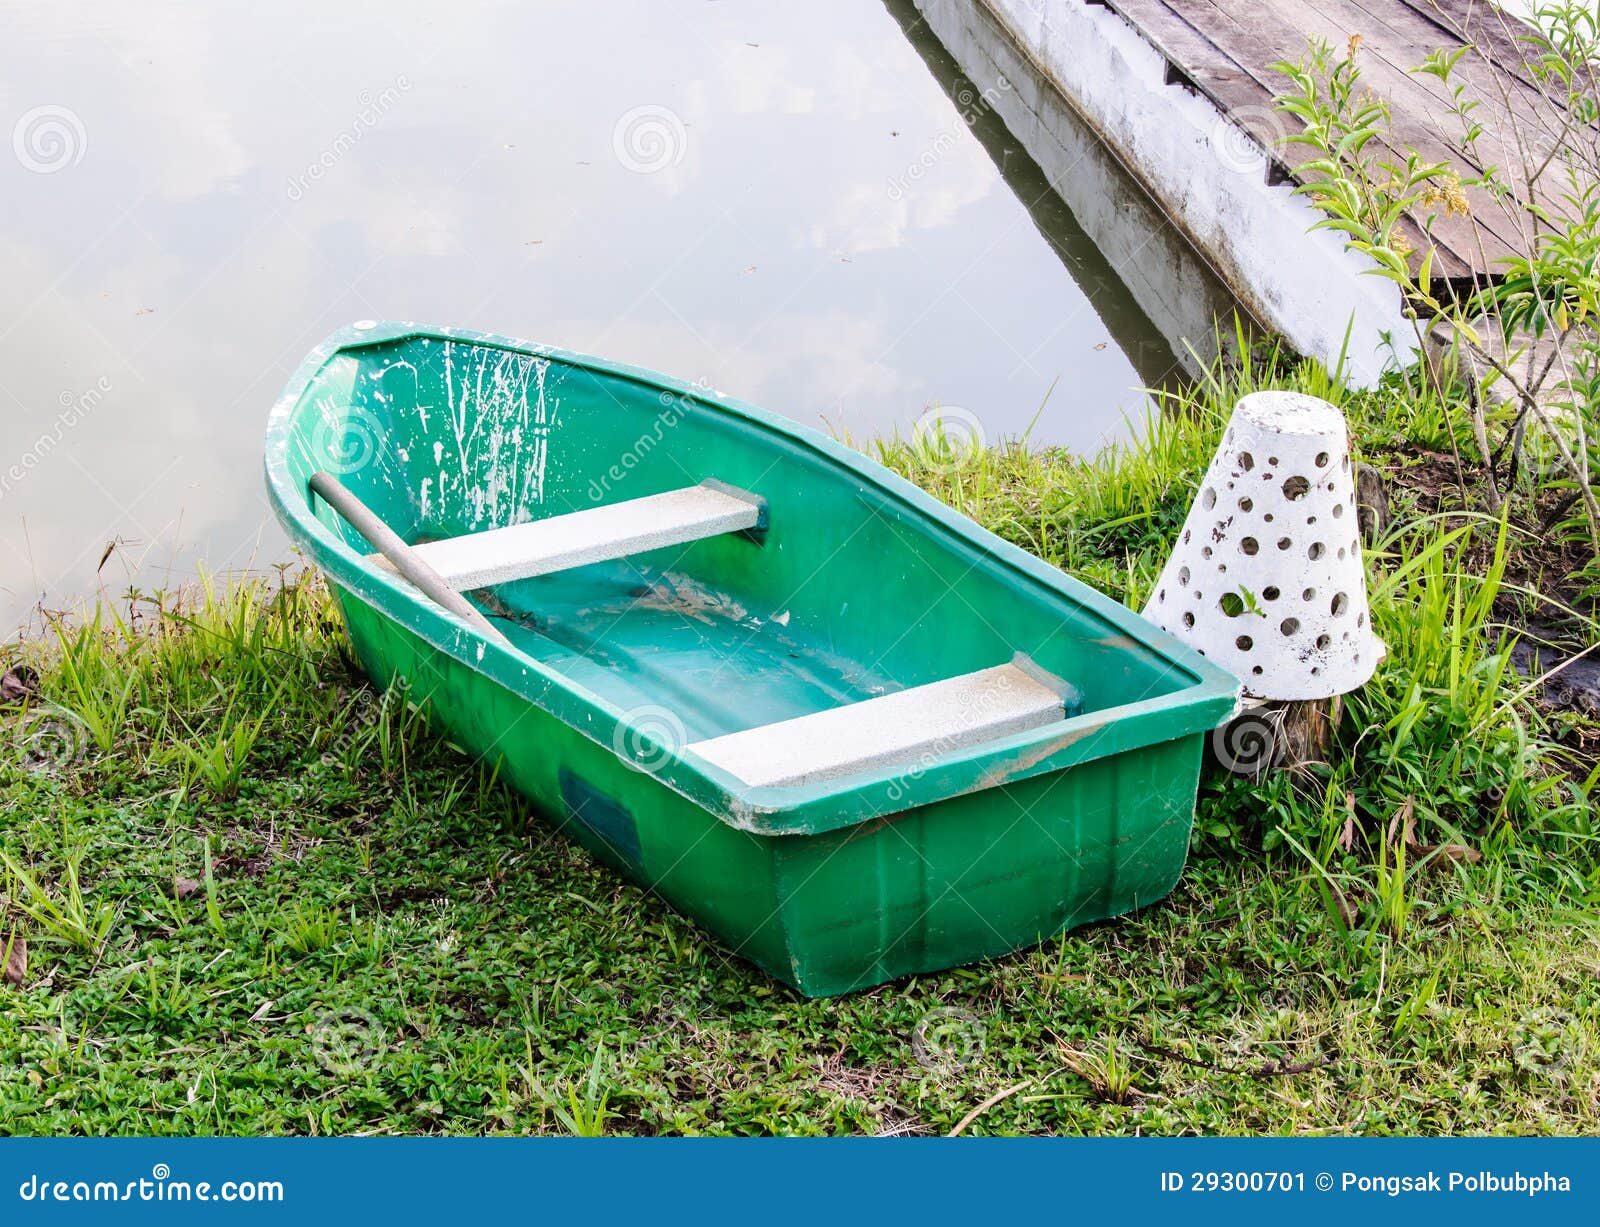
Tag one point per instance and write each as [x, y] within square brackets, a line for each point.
[1209, 698]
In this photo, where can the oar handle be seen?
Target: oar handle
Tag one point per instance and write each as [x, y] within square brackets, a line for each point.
[404, 559]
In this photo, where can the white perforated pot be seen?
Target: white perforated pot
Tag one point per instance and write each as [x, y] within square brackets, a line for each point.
[1266, 578]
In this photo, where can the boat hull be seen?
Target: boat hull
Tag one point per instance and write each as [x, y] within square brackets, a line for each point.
[603, 680]
[940, 885]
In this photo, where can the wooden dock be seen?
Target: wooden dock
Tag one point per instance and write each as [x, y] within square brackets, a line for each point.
[1222, 49]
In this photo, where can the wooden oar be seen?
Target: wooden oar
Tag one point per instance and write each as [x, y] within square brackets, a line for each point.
[403, 558]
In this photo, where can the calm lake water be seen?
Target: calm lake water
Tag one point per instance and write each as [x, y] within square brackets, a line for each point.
[786, 201]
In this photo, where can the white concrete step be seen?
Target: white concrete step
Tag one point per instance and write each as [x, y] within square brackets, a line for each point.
[596, 534]
[910, 727]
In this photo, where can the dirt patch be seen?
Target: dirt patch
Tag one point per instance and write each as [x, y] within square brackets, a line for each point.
[1556, 648]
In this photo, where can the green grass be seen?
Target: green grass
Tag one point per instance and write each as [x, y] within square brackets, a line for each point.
[258, 897]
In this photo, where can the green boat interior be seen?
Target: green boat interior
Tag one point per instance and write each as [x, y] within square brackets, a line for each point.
[671, 554]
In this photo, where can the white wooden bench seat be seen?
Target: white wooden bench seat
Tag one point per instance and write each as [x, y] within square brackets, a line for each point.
[595, 534]
[904, 728]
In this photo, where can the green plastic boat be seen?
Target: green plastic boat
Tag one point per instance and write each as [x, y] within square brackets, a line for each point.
[847, 730]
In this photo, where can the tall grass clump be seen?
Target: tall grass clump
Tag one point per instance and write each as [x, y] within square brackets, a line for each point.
[1447, 735]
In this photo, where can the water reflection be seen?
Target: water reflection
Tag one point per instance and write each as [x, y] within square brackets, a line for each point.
[724, 191]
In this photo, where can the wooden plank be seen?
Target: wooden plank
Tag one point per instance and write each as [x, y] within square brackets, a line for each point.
[1499, 33]
[1278, 31]
[1500, 75]
[908, 728]
[1401, 39]
[597, 534]
[1204, 41]
[1221, 48]
[1207, 67]
[1213, 69]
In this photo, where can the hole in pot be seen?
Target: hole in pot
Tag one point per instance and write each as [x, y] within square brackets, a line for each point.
[1340, 603]
[1246, 504]
[1183, 575]
[1247, 461]
[1284, 543]
[1244, 643]
[1270, 592]
[1316, 551]
[1208, 500]
[1322, 460]
[1289, 626]
[1188, 621]
[1309, 594]
[1249, 545]
[1338, 510]
[1324, 640]
[1296, 488]
[1231, 604]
